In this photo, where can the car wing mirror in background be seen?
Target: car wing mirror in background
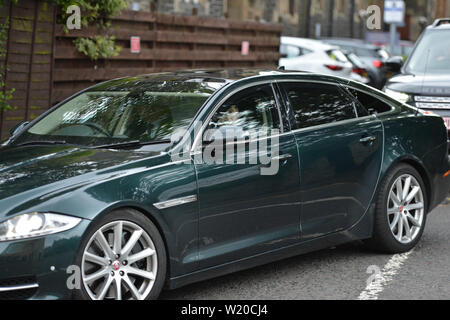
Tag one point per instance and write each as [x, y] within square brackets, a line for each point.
[394, 64]
[18, 128]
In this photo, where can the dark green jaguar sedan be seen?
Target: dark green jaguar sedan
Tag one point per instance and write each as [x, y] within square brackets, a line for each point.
[159, 181]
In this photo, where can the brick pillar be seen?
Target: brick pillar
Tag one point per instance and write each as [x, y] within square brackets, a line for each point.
[216, 8]
[269, 9]
[165, 6]
[330, 17]
[351, 15]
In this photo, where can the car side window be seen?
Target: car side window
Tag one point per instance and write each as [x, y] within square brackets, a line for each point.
[289, 51]
[253, 109]
[370, 103]
[318, 104]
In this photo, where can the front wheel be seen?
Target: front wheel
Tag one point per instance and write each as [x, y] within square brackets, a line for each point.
[400, 214]
[122, 258]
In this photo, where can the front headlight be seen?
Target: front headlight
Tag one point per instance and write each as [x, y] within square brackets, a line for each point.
[35, 225]
[399, 96]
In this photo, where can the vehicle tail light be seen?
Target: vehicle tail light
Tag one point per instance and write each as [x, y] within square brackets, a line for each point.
[334, 67]
[429, 113]
[360, 71]
[377, 64]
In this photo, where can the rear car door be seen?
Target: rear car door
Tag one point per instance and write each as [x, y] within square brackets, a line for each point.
[340, 154]
[243, 212]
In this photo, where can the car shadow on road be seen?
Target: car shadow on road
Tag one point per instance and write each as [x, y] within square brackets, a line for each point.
[281, 279]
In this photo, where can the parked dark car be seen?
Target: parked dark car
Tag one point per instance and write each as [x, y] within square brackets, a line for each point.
[373, 57]
[424, 81]
[111, 183]
[360, 72]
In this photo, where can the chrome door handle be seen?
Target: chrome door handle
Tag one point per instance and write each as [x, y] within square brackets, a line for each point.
[369, 139]
[282, 157]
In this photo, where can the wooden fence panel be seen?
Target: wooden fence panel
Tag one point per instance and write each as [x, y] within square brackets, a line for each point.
[45, 67]
[29, 60]
[167, 43]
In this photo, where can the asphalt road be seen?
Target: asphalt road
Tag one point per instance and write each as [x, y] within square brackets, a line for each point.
[342, 273]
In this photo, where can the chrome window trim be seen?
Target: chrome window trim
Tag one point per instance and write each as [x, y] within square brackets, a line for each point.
[175, 202]
[302, 130]
[19, 287]
[333, 124]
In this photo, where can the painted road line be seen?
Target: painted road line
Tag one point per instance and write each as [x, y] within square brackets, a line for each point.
[392, 267]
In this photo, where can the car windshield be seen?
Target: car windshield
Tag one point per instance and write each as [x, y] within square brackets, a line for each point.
[355, 60]
[337, 55]
[432, 54]
[140, 112]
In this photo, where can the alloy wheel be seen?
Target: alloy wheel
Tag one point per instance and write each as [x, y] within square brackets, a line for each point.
[406, 209]
[119, 262]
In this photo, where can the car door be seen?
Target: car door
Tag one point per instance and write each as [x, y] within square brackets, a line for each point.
[249, 207]
[340, 154]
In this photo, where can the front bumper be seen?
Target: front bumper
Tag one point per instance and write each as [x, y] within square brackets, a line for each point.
[37, 268]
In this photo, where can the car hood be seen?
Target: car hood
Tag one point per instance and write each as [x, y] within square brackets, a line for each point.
[24, 169]
[433, 85]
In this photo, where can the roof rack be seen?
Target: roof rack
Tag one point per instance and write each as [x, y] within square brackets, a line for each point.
[438, 22]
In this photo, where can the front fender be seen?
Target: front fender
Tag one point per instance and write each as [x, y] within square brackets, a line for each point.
[139, 188]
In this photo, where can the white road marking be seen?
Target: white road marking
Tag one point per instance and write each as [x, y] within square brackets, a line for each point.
[391, 268]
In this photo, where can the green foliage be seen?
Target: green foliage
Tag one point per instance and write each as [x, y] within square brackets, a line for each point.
[97, 47]
[92, 11]
[5, 95]
[99, 12]
[2, 2]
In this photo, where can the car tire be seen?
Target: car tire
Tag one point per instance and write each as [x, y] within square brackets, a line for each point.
[120, 273]
[390, 235]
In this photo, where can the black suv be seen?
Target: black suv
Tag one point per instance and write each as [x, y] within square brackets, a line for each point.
[424, 81]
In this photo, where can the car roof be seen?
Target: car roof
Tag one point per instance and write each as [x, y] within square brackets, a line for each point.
[219, 76]
[308, 43]
[357, 43]
[199, 75]
[441, 23]
[445, 26]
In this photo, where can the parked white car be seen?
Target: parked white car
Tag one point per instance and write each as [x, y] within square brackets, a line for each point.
[314, 56]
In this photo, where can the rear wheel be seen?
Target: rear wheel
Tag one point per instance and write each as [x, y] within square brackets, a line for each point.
[400, 215]
[122, 258]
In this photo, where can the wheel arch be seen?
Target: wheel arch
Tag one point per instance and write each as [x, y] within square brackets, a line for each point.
[159, 224]
[163, 234]
[420, 167]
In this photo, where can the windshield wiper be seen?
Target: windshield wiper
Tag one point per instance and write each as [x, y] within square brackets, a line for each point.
[131, 144]
[39, 143]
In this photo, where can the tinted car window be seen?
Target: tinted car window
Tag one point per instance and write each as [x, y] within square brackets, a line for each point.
[337, 55]
[432, 54]
[289, 51]
[372, 104]
[364, 52]
[252, 109]
[317, 104]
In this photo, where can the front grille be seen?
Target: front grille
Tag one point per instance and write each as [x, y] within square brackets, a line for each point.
[20, 294]
[428, 102]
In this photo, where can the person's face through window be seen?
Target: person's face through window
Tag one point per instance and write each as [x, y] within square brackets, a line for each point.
[232, 115]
